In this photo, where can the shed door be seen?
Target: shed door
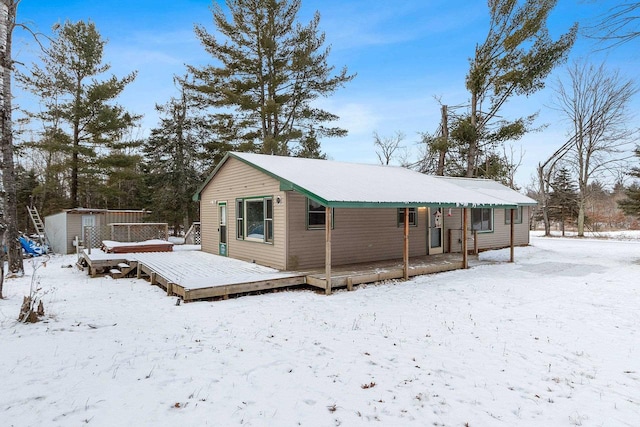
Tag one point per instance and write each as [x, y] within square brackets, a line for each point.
[222, 228]
[435, 231]
[89, 231]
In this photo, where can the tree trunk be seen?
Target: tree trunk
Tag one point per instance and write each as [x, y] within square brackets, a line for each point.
[445, 137]
[473, 144]
[581, 204]
[14, 251]
[545, 200]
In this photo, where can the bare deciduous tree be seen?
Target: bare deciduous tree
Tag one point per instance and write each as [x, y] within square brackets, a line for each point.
[595, 102]
[619, 25]
[386, 147]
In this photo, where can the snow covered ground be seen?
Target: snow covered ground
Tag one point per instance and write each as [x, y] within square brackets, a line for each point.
[551, 340]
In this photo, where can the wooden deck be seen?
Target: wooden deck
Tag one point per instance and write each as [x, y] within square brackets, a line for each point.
[357, 274]
[194, 275]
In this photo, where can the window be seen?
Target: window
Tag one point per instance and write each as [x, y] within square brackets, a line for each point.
[316, 216]
[254, 219]
[413, 218]
[482, 219]
[517, 216]
[268, 220]
[239, 219]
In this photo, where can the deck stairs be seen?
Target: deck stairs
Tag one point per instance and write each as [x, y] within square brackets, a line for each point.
[38, 224]
[123, 269]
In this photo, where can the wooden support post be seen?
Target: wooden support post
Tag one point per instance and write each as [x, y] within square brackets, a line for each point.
[465, 222]
[349, 283]
[139, 271]
[327, 259]
[475, 242]
[405, 249]
[512, 236]
[449, 236]
[169, 289]
[152, 277]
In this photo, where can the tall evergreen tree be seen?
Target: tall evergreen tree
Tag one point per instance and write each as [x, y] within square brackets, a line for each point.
[514, 59]
[563, 200]
[77, 103]
[174, 153]
[631, 204]
[271, 70]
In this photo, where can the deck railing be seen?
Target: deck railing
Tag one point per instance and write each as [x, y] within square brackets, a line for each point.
[192, 237]
[138, 231]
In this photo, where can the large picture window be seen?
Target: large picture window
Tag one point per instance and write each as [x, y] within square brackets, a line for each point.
[413, 217]
[482, 219]
[254, 219]
[517, 217]
[316, 216]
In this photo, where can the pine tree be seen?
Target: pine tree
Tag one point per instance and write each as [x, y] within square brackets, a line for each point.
[514, 59]
[271, 69]
[631, 204]
[563, 200]
[79, 105]
[174, 153]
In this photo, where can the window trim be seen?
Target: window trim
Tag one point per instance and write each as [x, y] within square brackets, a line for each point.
[400, 217]
[322, 226]
[268, 230]
[517, 217]
[241, 219]
[492, 220]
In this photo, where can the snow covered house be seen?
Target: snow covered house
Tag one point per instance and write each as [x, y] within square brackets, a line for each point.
[274, 211]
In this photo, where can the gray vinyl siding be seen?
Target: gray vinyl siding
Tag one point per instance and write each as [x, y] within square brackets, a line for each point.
[237, 180]
[74, 228]
[358, 235]
[496, 239]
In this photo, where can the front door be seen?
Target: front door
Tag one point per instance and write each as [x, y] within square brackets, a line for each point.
[435, 231]
[222, 228]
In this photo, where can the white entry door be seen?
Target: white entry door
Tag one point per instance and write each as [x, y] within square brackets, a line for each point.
[435, 231]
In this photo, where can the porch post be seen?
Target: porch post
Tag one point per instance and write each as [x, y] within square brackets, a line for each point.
[327, 259]
[405, 249]
[465, 222]
[513, 236]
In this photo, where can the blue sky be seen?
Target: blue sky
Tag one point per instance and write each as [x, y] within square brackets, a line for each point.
[405, 53]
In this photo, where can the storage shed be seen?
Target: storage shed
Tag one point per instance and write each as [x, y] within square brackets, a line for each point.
[62, 228]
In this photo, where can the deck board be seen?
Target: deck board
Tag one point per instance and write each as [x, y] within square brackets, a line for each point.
[199, 275]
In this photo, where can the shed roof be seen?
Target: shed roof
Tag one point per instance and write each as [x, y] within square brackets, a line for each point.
[342, 184]
[81, 210]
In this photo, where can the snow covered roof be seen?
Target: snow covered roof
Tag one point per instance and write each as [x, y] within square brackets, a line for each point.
[491, 188]
[81, 210]
[341, 184]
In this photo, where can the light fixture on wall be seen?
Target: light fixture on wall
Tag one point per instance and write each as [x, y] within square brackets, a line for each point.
[278, 200]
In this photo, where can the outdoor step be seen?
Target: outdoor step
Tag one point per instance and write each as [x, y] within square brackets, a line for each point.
[124, 265]
[115, 273]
